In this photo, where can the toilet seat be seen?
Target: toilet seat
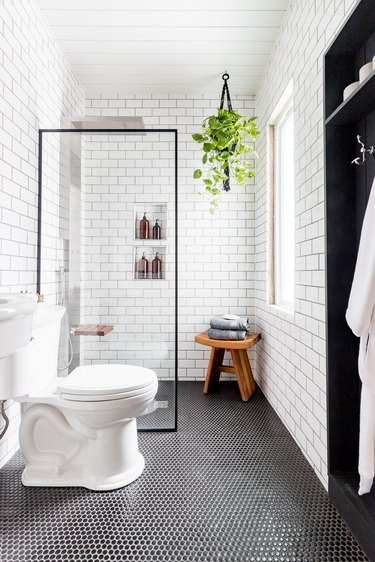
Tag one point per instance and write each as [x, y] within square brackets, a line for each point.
[96, 383]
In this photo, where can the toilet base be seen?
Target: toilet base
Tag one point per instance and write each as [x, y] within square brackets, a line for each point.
[62, 450]
[75, 476]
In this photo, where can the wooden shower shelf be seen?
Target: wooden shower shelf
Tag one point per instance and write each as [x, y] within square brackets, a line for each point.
[92, 330]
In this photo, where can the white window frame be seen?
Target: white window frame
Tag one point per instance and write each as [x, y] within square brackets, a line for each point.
[282, 205]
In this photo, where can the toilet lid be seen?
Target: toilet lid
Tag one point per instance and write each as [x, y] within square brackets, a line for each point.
[105, 380]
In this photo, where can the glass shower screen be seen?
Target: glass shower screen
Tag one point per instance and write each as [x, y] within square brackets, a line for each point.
[107, 251]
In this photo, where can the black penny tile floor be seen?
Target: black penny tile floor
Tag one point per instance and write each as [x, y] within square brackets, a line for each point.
[230, 486]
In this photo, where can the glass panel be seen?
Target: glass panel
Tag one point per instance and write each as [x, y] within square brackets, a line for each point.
[114, 272]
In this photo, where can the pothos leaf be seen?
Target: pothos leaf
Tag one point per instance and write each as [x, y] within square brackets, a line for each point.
[225, 139]
[198, 137]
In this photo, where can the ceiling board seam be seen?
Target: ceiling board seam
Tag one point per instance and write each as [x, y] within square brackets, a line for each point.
[161, 10]
[247, 27]
[151, 41]
[239, 41]
[163, 65]
[162, 54]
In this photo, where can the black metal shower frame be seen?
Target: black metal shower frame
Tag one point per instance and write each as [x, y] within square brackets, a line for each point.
[39, 239]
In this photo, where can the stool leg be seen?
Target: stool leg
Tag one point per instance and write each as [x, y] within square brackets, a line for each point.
[247, 370]
[243, 373]
[213, 370]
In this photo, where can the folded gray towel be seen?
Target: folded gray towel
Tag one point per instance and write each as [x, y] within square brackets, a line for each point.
[220, 323]
[227, 334]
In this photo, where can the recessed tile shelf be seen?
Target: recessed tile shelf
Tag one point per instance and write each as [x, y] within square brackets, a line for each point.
[153, 211]
[150, 252]
[149, 242]
[150, 246]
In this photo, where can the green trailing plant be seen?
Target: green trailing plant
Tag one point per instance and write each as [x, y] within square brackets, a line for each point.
[224, 139]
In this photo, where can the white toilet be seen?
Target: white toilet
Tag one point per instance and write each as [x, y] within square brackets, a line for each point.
[80, 430]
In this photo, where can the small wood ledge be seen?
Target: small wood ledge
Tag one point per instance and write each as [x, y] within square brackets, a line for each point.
[92, 330]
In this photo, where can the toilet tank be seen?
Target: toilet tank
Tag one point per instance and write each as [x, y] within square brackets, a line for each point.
[45, 344]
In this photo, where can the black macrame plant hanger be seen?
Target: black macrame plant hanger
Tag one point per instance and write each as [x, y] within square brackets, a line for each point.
[225, 92]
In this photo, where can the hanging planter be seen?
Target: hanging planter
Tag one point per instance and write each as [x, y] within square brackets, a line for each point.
[224, 139]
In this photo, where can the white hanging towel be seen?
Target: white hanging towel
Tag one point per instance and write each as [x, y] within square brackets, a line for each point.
[360, 317]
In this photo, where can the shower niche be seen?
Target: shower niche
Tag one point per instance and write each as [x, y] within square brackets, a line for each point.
[151, 261]
[95, 185]
[157, 217]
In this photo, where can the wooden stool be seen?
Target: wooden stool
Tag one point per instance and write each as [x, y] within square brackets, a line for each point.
[241, 365]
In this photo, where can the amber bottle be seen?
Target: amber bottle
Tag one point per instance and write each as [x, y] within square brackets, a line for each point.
[142, 267]
[156, 231]
[144, 228]
[156, 267]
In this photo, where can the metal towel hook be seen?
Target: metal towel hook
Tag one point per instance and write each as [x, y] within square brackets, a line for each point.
[363, 150]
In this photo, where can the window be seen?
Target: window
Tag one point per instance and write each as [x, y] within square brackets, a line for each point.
[281, 141]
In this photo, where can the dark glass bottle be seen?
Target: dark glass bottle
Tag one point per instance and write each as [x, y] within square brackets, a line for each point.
[156, 267]
[156, 231]
[142, 267]
[144, 228]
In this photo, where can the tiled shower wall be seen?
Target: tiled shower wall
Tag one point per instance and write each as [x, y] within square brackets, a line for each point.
[291, 358]
[37, 88]
[216, 254]
[124, 176]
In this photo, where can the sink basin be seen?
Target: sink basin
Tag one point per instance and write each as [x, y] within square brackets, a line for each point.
[16, 317]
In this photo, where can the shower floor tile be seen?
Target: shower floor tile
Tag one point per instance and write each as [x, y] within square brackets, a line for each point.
[162, 418]
[230, 486]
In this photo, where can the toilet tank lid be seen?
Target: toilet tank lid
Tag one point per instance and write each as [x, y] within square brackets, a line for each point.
[105, 379]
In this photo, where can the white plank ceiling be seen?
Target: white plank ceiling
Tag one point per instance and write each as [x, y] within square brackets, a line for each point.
[166, 46]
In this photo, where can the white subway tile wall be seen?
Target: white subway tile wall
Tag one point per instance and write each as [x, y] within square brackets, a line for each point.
[125, 176]
[37, 88]
[216, 254]
[291, 358]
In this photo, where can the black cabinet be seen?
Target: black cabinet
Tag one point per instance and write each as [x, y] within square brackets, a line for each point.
[347, 190]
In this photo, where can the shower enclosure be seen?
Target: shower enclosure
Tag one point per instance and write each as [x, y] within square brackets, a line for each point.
[119, 288]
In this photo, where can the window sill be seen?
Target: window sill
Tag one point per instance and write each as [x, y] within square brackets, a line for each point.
[285, 310]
